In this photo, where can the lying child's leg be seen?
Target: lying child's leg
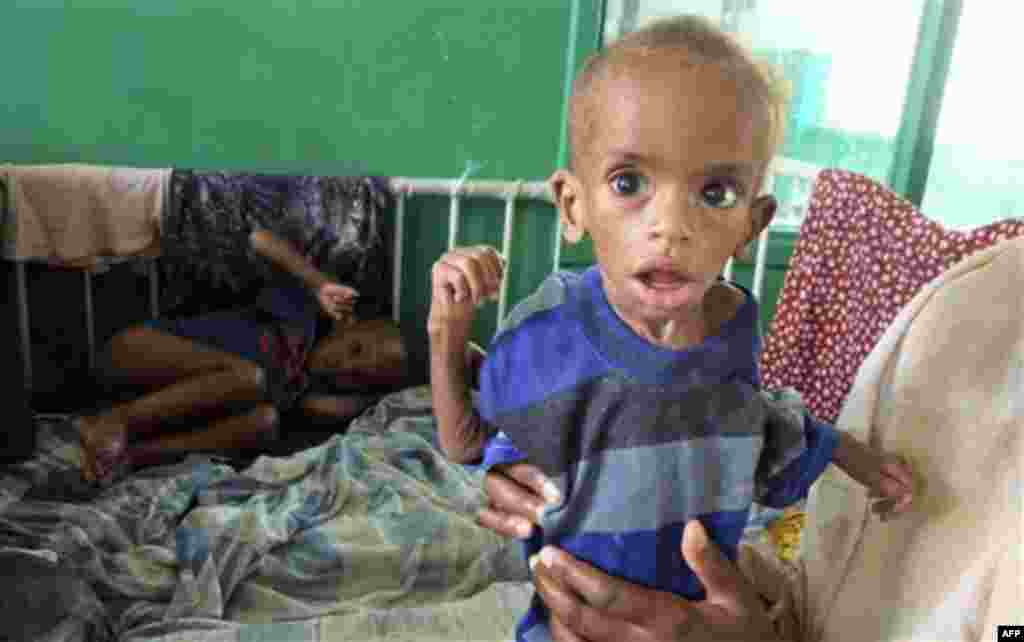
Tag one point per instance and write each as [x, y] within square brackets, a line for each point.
[191, 380]
[253, 429]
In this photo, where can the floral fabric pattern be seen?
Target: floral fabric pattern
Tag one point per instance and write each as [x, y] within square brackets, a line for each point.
[862, 254]
[207, 262]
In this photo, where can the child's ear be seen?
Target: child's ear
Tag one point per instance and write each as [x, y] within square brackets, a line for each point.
[568, 195]
[762, 211]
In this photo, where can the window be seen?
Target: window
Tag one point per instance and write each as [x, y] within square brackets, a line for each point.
[977, 171]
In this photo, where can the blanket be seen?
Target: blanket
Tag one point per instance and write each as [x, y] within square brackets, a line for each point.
[71, 214]
[355, 534]
[945, 387]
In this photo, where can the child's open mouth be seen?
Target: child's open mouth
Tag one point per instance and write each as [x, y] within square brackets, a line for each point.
[663, 288]
[662, 280]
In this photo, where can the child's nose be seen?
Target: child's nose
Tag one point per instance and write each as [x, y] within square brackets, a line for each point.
[672, 216]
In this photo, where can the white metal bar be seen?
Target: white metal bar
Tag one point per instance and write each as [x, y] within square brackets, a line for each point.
[24, 329]
[154, 291]
[728, 269]
[536, 190]
[769, 177]
[396, 280]
[759, 264]
[506, 253]
[454, 218]
[558, 244]
[90, 322]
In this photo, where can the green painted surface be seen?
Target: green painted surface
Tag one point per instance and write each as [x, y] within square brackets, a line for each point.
[315, 86]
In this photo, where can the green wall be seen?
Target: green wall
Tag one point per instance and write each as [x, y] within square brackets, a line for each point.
[318, 86]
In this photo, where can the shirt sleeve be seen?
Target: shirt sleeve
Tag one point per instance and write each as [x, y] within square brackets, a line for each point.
[797, 449]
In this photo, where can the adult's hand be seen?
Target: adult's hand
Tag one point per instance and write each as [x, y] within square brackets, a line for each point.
[517, 494]
[589, 605]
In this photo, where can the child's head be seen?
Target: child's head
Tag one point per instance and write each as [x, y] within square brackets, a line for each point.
[671, 130]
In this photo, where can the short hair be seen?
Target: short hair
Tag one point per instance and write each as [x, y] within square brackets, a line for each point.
[699, 37]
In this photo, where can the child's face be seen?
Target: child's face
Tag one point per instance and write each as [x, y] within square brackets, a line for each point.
[666, 187]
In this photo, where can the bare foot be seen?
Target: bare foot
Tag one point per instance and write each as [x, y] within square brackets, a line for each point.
[103, 446]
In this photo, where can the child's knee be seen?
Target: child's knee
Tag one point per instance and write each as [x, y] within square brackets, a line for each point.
[250, 374]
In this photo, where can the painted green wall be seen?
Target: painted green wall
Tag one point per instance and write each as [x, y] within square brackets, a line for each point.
[317, 86]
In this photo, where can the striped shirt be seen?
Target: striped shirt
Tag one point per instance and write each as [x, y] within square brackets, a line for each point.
[640, 439]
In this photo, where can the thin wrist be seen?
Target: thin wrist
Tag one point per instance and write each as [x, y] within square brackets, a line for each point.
[448, 335]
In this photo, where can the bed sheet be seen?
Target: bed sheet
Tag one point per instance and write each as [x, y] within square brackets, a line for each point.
[370, 535]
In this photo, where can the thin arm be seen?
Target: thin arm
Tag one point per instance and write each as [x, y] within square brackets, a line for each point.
[283, 255]
[462, 433]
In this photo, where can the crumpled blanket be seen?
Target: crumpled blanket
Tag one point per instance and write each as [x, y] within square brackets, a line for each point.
[374, 519]
[944, 386]
[335, 221]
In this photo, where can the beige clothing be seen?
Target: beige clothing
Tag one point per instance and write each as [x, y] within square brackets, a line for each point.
[944, 386]
[71, 214]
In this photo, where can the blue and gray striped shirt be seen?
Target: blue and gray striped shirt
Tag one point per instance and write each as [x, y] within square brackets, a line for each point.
[640, 439]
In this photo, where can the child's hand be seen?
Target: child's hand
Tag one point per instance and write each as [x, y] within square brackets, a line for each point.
[337, 301]
[462, 280]
[888, 478]
[893, 486]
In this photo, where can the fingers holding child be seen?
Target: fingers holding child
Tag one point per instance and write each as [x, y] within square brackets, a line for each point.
[517, 495]
[587, 604]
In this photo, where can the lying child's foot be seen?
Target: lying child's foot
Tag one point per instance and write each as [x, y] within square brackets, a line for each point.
[103, 447]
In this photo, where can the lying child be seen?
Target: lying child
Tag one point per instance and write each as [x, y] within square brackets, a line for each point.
[635, 384]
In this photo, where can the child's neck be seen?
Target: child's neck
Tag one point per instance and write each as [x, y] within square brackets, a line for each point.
[719, 306]
[673, 334]
[677, 334]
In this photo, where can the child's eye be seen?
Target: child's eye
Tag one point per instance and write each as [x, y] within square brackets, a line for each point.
[629, 183]
[720, 195]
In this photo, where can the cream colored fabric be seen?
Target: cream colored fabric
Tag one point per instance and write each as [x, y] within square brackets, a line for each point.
[70, 214]
[945, 386]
